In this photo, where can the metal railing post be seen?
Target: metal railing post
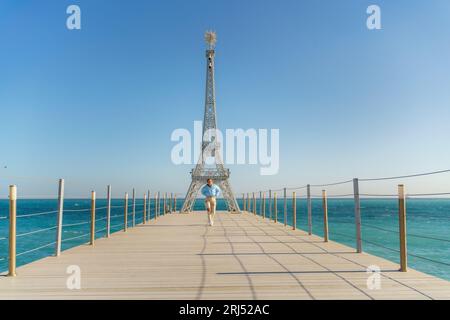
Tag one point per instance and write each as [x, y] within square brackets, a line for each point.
[325, 215]
[134, 208]
[144, 211]
[264, 206]
[92, 218]
[285, 206]
[59, 217]
[175, 203]
[245, 202]
[260, 203]
[164, 204]
[125, 214]
[12, 230]
[309, 204]
[402, 228]
[294, 211]
[108, 211]
[270, 204]
[156, 205]
[159, 203]
[275, 209]
[168, 203]
[244, 207]
[254, 204]
[149, 199]
[357, 215]
[248, 203]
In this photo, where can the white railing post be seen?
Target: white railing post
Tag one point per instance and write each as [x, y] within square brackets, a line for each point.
[275, 209]
[309, 203]
[294, 211]
[165, 203]
[175, 203]
[148, 205]
[108, 211]
[12, 230]
[248, 202]
[156, 205]
[59, 217]
[159, 204]
[134, 208]
[260, 203]
[325, 215]
[92, 218]
[285, 207]
[264, 205]
[125, 214]
[357, 215]
[144, 211]
[270, 204]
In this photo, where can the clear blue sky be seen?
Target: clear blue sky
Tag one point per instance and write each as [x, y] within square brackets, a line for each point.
[97, 106]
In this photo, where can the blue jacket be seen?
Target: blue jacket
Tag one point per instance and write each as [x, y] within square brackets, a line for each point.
[212, 191]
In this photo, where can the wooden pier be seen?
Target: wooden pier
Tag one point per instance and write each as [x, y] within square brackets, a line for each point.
[242, 256]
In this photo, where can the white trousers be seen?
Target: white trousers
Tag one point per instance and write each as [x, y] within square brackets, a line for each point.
[210, 203]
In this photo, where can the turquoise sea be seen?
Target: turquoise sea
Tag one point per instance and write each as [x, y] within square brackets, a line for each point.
[428, 226]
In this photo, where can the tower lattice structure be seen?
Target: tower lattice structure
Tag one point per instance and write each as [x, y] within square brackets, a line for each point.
[210, 164]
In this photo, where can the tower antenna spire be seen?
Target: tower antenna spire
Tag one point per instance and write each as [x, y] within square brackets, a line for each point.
[211, 39]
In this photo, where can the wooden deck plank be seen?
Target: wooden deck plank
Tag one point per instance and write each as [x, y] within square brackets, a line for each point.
[240, 257]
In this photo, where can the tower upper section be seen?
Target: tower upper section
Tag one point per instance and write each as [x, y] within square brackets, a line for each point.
[209, 120]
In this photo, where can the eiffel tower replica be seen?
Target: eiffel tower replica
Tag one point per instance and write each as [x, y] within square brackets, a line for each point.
[210, 148]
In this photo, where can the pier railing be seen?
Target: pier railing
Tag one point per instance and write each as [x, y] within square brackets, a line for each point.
[83, 224]
[266, 207]
[71, 222]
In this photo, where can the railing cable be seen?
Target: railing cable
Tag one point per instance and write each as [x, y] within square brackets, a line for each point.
[77, 210]
[427, 194]
[377, 195]
[409, 234]
[100, 230]
[117, 225]
[36, 249]
[75, 224]
[341, 234]
[368, 179]
[34, 232]
[340, 195]
[36, 214]
[428, 259]
[380, 245]
[76, 237]
[406, 176]
[331, 184]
